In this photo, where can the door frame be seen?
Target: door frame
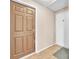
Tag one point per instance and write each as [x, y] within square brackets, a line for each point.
[11, 26]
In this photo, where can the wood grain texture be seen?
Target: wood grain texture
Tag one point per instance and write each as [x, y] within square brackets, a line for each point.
[22, 30]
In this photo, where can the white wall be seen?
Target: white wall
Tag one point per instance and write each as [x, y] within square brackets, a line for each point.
[66, 29]
[62, 30]
[44, 25]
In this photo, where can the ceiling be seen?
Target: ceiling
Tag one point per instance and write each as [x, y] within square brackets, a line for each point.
[54, 5]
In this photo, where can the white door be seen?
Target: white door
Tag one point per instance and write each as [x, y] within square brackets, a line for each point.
[60, 29]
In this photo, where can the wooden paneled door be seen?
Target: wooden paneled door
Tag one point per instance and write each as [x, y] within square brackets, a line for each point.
[22, 30]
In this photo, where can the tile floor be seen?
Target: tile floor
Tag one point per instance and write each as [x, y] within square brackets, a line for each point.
[63, 53]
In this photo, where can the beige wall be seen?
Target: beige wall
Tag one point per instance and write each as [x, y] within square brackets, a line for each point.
[44, 25]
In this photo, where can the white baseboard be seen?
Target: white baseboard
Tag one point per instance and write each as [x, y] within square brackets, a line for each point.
[37, 51]
[27, 56]
[44, 48]
[62, 45]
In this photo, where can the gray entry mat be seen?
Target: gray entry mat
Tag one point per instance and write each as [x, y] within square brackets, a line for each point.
[63, 53]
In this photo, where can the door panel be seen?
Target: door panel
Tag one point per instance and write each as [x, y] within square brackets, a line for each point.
[19, 22]
[23, 30]
[19, 8]
[30, 41]
[18, 45]
[29, 23]
[30, 10]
